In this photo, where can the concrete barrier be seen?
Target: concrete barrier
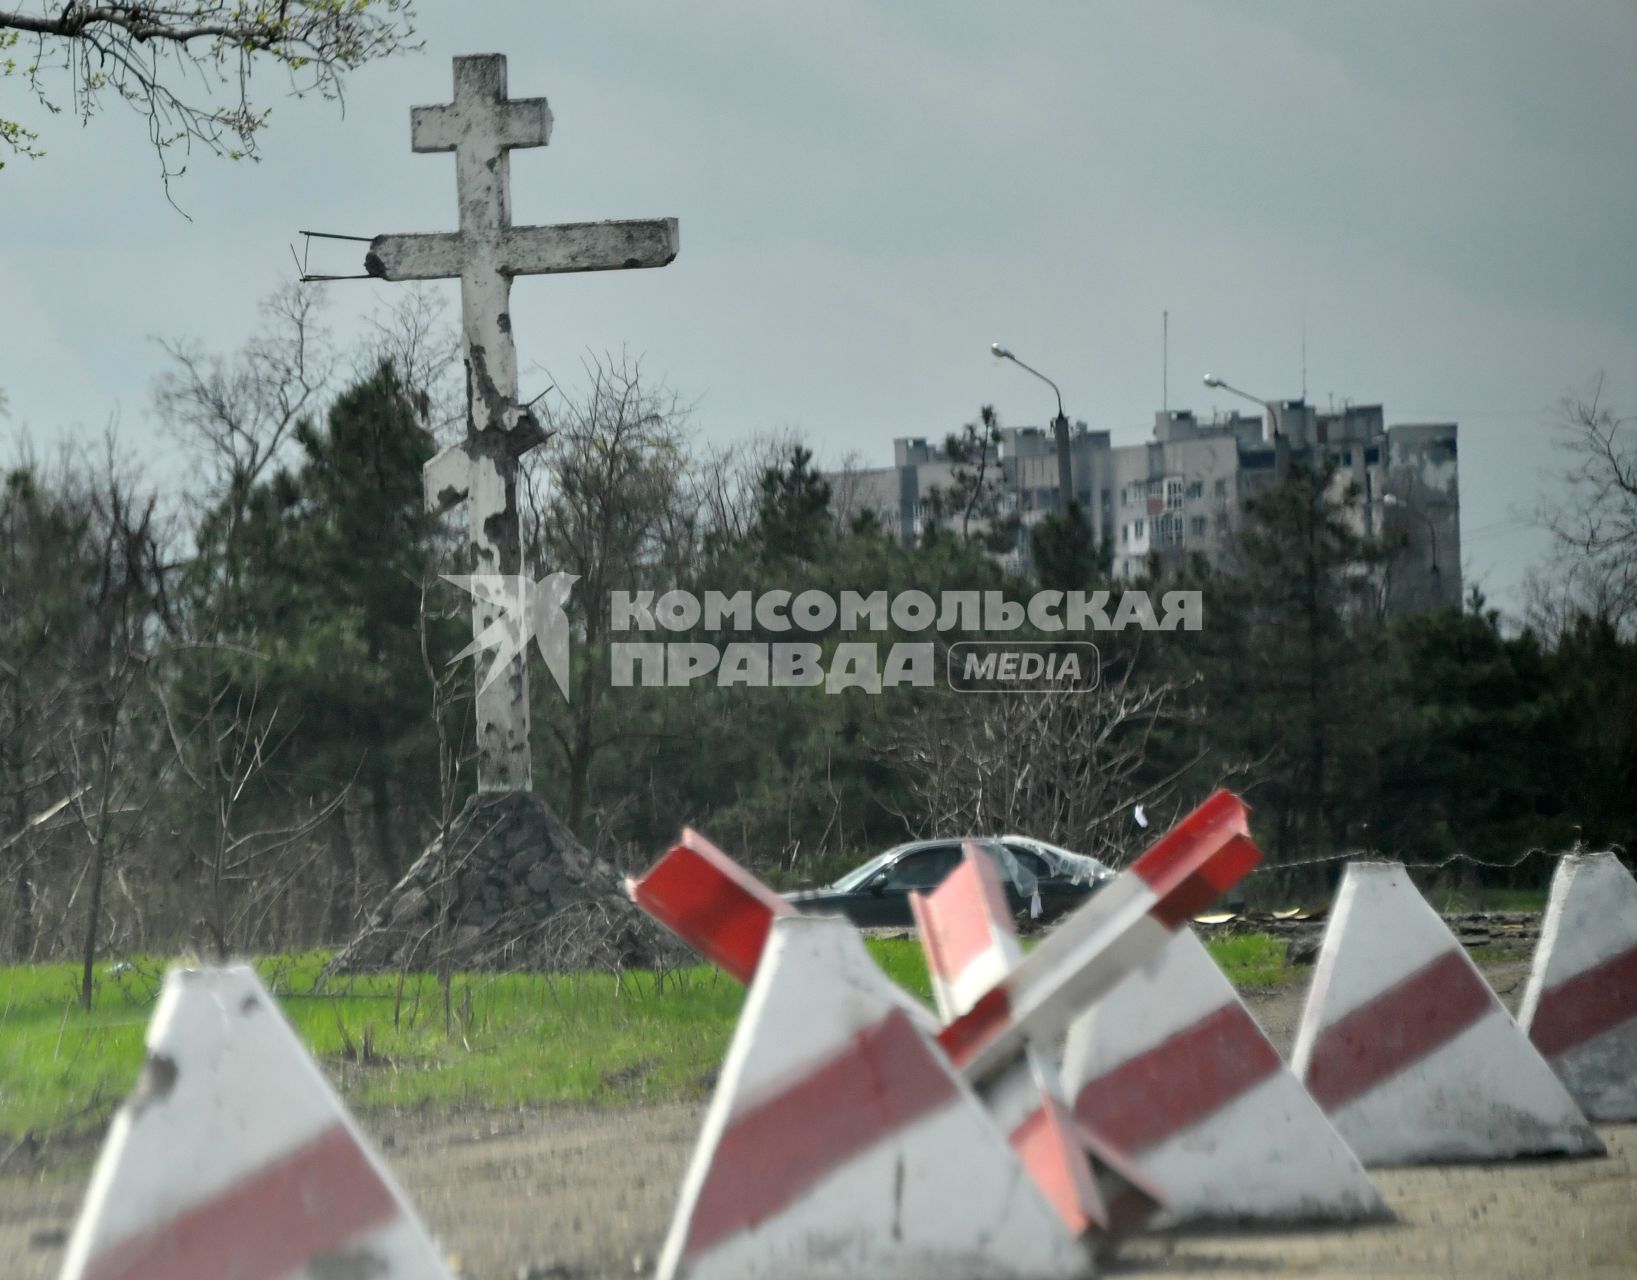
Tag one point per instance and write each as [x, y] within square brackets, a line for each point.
[1406, 1047]
[840, 1142]
[1580, 1007]
[234, 1159]
[1171, 1067]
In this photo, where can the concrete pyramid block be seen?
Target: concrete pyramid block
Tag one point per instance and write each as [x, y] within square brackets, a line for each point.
[1406, 1047]
[1580, 1007]
[1170, 1067]
[841, 1143]
[233, 1158]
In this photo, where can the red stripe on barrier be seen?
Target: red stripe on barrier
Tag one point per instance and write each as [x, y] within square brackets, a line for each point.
[268, 1224]
[956, 919]
[1396, 1029]
[711, 903]
[1048, 1146]
[1181, 1081]
[1175, 854]
[962, 1038]
[1192, 893]
[882, 1081]
[1583, 1007]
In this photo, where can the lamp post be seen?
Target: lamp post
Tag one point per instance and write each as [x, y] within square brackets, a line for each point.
[1211, 380]
[1393, 500]
[1060, 426]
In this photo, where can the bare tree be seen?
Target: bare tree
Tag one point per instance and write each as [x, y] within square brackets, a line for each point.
[246, 861]
[186, 66]
[601, 502]
[724, 485]
[1595, 525]
[235, 414]
[1060, 766]
[424, 346]
[101, 770]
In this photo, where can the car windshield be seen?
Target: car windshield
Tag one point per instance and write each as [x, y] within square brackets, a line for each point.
[859, 876]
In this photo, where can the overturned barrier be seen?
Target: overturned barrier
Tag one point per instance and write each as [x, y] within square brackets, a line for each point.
[840, 1141]
[712, 903]
[999, 1004]
[1408, 1049]
[1094, 946]
[971, 944]
[1171, 1067]
[233, 1158]
[1580, 1007]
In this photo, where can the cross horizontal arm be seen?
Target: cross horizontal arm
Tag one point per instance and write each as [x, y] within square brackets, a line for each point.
[528, 251]
[588, 246]
[520, 122]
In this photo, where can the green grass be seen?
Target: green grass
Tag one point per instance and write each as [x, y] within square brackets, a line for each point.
[1453, 900]
[512, 1039]
[1252, 959]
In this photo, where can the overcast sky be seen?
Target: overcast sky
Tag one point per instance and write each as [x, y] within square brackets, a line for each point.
[1443, 196]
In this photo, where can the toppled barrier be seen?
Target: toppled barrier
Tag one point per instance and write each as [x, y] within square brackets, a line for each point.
[1007, 1004]
[971, 944]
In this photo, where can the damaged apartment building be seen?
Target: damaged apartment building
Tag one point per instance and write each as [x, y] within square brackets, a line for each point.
[1181, 493]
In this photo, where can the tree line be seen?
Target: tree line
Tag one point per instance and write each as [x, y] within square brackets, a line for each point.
[229, 719]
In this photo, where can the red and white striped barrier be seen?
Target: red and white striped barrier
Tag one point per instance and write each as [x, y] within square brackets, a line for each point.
[234, 1159]
[1122, 925]
[1171, 1067]
[712, 903]
[1580, 1007]
[840, 1141]
[1406, 1047]
[971, 944]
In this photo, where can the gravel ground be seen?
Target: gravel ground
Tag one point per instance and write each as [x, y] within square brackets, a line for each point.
[565, 1194]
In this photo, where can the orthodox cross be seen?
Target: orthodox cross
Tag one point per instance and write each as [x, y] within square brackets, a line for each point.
[482, 126]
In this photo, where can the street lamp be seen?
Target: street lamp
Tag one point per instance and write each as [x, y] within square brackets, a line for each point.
[1060, 426]
[1393, 500]
[1211, 380]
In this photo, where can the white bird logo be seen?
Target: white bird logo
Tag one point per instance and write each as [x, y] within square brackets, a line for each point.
[527, 609]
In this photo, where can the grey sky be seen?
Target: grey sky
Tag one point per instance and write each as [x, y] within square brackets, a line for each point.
[870, 194]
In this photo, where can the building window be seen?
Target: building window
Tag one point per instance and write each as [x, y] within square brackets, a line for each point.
[1221, 523]
[1138, 529]
[1173, 494]
[1197, 526]
[1222, 488]
[1196, 489]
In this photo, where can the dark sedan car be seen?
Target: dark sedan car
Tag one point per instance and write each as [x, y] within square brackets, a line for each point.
[1041, 880]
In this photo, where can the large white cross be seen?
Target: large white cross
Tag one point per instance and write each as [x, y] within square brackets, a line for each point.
[481, 126]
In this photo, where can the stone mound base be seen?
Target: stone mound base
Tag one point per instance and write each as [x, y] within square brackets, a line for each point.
[513, 889]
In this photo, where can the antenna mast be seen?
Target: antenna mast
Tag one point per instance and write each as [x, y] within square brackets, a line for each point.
[1165, 360]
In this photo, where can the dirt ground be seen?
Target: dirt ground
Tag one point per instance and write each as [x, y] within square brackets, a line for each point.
[562, 1194]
